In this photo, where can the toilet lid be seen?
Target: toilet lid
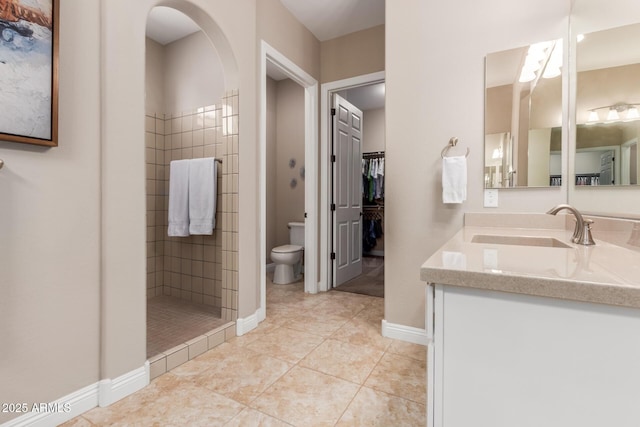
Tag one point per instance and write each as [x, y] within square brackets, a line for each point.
[286, 249]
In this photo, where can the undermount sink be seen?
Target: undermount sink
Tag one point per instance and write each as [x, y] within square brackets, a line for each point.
[547, 242]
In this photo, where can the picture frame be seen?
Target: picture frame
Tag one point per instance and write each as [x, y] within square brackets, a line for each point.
[29, 38]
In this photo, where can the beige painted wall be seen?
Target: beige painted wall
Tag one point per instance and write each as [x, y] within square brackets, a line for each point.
[373, 130]
[290, 145]
[154, 77]
[422, 113]
[50, 233]
[280, 29]
[271, 172]
[354, 54]
[539, 151]
[193, 74]
[285, 140]
[499, 101]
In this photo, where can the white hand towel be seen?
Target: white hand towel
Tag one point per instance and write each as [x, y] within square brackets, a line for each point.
[454, 179]
[178, 198]
[202, 196]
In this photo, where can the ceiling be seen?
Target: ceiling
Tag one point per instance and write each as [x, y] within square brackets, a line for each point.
[329, 19]
[166, 25]
[368, 97]
[326, 19]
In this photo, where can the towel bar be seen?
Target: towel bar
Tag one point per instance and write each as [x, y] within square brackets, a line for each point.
[452, 143]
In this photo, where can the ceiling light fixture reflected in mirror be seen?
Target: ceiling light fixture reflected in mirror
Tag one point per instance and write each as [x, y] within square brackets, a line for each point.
[542, 58]
[613, 115]
[620, 112]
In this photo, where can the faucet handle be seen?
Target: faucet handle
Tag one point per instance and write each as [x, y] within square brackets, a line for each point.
[586, 238]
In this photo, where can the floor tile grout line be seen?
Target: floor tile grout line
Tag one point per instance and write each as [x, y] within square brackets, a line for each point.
[384, 391]
[346, 408]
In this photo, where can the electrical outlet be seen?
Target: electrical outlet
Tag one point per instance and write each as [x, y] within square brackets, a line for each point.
[491, 198]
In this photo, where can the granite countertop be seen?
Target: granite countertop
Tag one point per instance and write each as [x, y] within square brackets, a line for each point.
[605, 273]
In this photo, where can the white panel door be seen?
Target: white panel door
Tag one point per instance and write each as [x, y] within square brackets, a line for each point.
[606, 168]
[347, 190]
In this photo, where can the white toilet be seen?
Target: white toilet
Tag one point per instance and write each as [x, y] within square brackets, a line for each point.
[288, 258]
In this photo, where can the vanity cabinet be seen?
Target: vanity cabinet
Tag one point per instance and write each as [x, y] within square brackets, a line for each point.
[500, 359]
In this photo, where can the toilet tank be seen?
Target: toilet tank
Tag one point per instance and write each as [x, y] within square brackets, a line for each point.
[296, 233]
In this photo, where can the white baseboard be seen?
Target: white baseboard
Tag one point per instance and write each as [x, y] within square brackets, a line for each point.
[262, 314]
[113, 390]
[102, 393]
[404, 333]
[247, 324]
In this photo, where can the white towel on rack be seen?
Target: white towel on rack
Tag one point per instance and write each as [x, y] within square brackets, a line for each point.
[454, 179]
[202, 196]
[178, 198]
[381, 167]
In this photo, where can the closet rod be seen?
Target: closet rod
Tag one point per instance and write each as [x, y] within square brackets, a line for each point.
[373, 154]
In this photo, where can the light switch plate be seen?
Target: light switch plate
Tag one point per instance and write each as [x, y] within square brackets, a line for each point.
[491, 198]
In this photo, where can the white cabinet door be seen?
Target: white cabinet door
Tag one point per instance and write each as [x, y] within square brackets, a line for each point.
[513, 360]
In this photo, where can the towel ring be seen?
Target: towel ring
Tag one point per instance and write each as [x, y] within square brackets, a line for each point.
[452, 143]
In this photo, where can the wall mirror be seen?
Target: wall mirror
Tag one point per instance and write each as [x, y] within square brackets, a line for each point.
[607, 106]
[523, 116]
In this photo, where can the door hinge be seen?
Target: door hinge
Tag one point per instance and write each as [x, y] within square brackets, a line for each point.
[305, 214]
[333, 206]
[333, 158]
[333, 111]
[333, 256]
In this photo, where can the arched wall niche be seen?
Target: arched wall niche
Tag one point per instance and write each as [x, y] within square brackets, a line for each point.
[215, 34]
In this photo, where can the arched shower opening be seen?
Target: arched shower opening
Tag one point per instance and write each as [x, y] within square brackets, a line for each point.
[191, 112]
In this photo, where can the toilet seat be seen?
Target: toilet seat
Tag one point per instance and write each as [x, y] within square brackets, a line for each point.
[286, 249]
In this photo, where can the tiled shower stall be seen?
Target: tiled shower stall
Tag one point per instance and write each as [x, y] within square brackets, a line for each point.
[200, 269]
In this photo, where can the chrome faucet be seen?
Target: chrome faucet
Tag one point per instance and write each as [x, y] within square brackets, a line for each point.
[582, 231]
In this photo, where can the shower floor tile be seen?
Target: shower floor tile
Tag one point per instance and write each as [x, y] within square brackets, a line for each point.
[172, 321]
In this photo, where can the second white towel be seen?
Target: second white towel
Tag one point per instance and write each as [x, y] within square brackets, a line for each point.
[178, 198]
[202, 196]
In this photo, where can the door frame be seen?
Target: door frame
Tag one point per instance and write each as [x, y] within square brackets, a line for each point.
[326, 231]
[310, 86]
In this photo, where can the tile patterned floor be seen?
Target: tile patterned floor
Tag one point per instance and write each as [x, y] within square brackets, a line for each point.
[317, 360]
[172, 321]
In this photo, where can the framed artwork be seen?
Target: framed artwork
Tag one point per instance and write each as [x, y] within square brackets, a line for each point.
[29, 71]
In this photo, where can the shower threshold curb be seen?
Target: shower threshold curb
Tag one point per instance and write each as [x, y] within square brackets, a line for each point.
[176, 356]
